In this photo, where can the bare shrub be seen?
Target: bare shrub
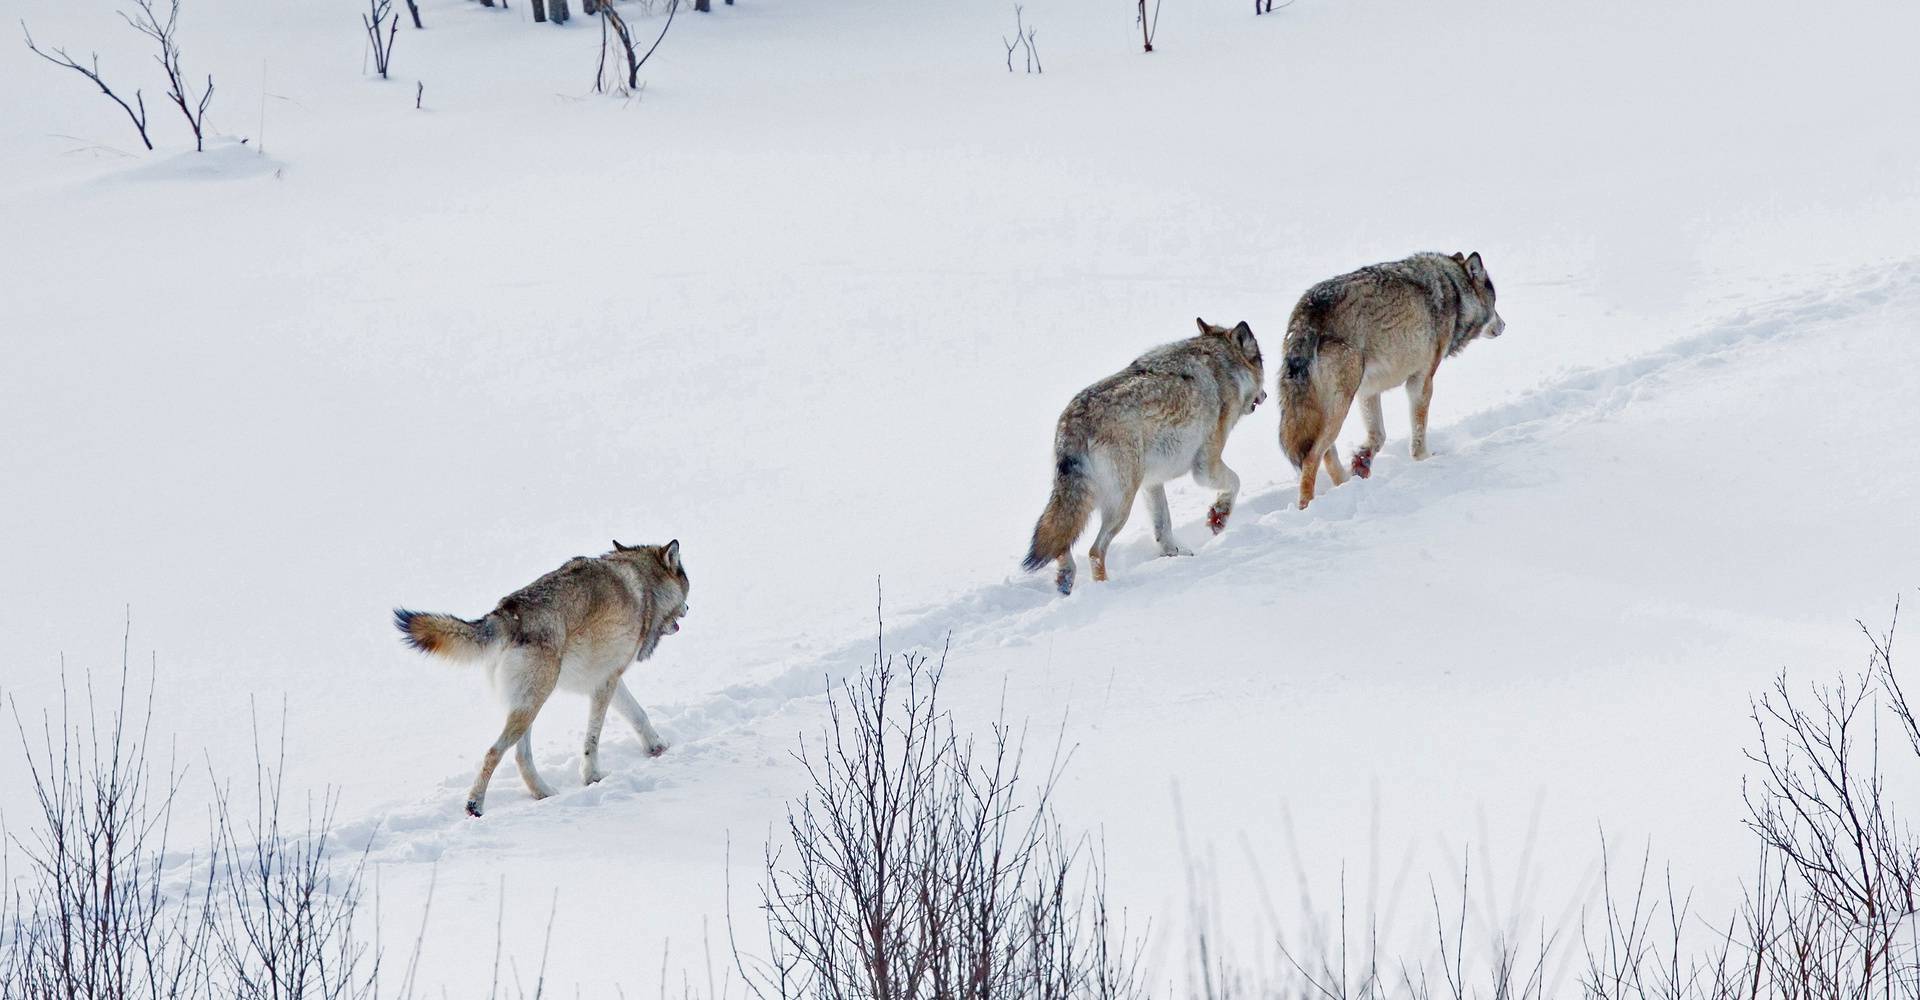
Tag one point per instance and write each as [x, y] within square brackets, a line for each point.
[921, 864]
[1831, 911]
[1148, 24]
[107, 910]
[1023, 35]
[376, 17]
[91, 917]
[613, 29]
[284, 918]
[165, 34]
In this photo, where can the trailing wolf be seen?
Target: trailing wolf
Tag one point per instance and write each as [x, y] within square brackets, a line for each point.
[1363, 333]
[578, 627]
[1165, 415]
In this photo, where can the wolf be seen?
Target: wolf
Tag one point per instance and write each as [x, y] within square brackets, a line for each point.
[579, 626]
[1167, 414]
[1363, 333]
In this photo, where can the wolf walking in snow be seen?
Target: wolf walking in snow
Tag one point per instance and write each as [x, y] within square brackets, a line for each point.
[1165, 415]
[579, 626]
[1363, 333]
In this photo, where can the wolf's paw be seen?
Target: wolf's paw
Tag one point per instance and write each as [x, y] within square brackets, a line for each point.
[592, 777]
[1216, 519]
[1175, 550]
[1363, 463]
[1063, 582]
[473, 808]
[656, 749]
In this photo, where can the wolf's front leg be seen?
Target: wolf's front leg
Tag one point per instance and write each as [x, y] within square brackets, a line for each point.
[596, 718]
[630, 710]
[1209, 470]
[1376, 436]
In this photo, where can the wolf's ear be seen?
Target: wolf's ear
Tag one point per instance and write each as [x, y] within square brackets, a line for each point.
[1475, 268]
[670, 554]
[1243, 336]
[1459, 258]
[617, 547]
[1202, 324]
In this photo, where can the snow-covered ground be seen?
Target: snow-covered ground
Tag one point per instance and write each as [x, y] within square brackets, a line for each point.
[811, 303]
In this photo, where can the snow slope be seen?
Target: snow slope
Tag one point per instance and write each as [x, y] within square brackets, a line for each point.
[1502, 651]
[811, 303]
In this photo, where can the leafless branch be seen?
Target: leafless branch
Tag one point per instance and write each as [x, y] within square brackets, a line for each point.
[91, 71]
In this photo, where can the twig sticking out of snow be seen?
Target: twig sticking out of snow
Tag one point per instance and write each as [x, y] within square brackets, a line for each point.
[1023, 36]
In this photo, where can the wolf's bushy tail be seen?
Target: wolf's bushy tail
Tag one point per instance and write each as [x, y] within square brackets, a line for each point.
[445, 635]
[1300, 418]
[1066, 515]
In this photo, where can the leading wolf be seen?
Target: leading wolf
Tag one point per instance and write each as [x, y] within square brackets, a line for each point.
[1165, 415]
[1363, 333]
[580, 627]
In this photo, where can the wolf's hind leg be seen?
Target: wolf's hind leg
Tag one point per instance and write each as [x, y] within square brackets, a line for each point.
[1322, 453]
[529, 674]
[1376, 436]
[1114, 508]
[1163, 521]
[1419, 397]
[596, 719]
[518, 722]
[630, 710]
[523, 759]
[1335, 470]
[1063, 579]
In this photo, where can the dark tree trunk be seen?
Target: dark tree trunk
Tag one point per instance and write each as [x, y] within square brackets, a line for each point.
[703, 6]
[557, 9]
[539, 10]
[589, 6]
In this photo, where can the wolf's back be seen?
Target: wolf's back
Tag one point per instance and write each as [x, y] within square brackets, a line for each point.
[445, 635]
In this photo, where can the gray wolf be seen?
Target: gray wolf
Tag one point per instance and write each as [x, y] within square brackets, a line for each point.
[1167, 414]
[1363, 333]
[579, 626]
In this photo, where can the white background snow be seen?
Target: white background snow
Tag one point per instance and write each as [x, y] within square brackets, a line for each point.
[811, 303]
